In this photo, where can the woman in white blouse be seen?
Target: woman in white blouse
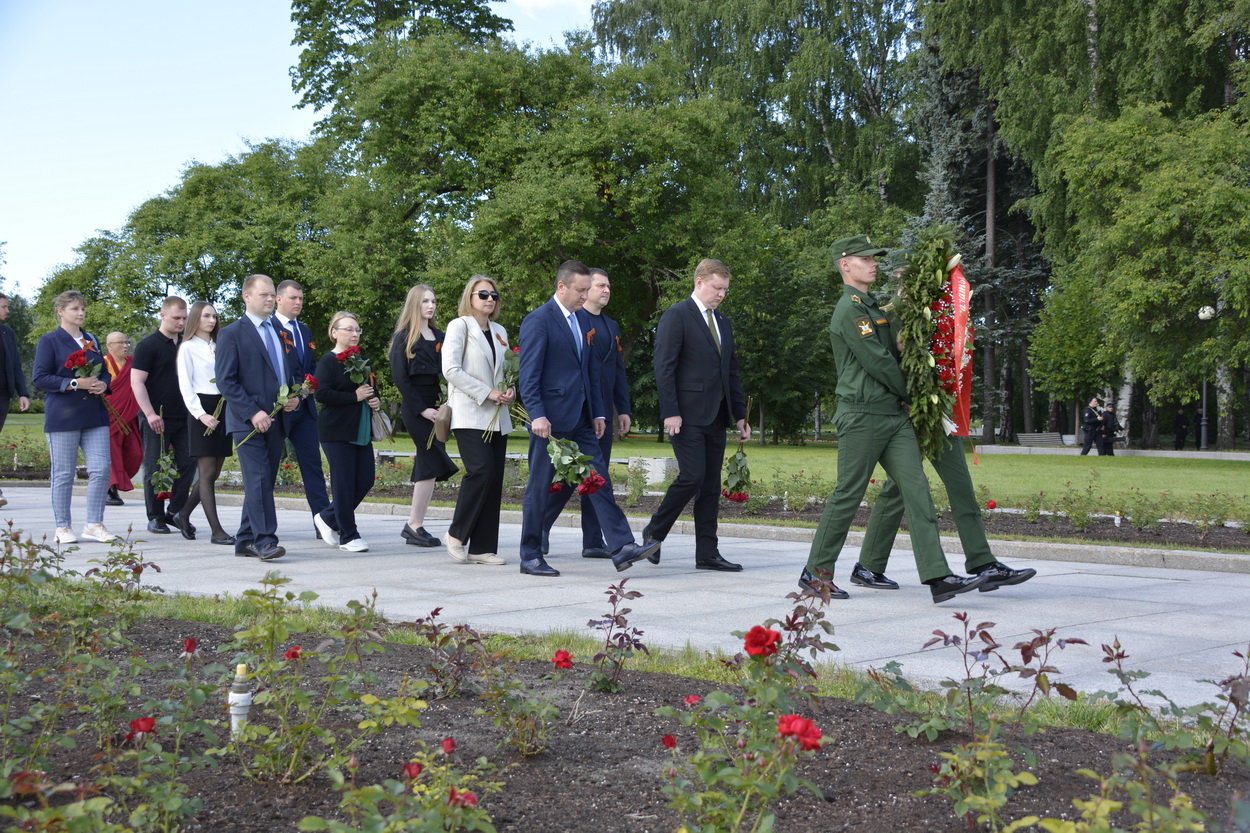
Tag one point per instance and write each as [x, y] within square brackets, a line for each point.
[197, 380]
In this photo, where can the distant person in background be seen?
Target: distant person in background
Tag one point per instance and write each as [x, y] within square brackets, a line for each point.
[12, 379]
[1110, 428]
[74, 416]
[154, 380]
[1091, 421]
[125, 446]
[209, 443]
[416, 366]
[346, 430]
[301, 424]
[1181, 426]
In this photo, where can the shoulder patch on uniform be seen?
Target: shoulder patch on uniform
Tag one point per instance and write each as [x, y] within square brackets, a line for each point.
[865, 326]
[888, 307]
[855, 299]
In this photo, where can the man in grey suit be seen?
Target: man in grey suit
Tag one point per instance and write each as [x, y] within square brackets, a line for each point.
[251, 368]
[696, 376]
[12, 378]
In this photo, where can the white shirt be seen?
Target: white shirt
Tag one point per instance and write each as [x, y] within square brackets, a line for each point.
[197, 372]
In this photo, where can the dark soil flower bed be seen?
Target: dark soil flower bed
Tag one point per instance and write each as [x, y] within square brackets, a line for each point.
[604, 768]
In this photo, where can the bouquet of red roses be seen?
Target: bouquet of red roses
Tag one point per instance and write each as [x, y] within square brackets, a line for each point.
[572, 468]
[356, 365]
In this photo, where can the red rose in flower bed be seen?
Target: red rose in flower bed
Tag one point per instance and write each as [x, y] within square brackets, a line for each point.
[461, 799]
[292, 653]
[761, 642]
[562, 659]
[669, 742]
[593, 483]
[140, 727]
[991, 504]
[449, 745]
[412, 769]
[801, 729]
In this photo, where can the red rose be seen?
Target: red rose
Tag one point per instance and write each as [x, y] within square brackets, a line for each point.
[164, 495]
[461, 799]
[669, 742]
[189, 647]
[762, 642]
[516, 349]
[692, 700]
[411, 770]
[562, 659]
[449, 746]
[76, 360]
[292, 652]
[593, 483]
[801, 729]
[348, 353]
[143, 724]
[554, 488]
[991, 504]
[310, 381]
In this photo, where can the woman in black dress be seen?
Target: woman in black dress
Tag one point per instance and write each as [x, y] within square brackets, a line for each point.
[416, 367]
[209, 443]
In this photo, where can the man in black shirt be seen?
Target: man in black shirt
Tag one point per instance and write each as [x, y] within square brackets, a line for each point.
[12, 379]
[154, 380]
[1091, 419]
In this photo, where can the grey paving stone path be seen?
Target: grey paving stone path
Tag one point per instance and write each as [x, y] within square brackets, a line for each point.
[1179, 615]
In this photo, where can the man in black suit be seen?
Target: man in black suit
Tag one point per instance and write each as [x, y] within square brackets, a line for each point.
[1091, 421]
[12, 379]
[251, 369]
[696, 376]
[301, 424]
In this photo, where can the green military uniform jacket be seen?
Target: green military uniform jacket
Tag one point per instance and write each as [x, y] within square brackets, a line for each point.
[864, 347]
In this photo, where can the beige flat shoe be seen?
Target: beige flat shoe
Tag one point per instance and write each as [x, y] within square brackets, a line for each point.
[485, 558]
[455, 549]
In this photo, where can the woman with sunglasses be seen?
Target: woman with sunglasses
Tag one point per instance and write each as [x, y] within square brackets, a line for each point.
[416, 365]
[473, 364]
[345, 429]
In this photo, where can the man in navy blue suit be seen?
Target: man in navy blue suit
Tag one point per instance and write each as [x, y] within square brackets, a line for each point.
[251, 368]
[603, 338]
[559, 386]
[301, 424]
[12, 379]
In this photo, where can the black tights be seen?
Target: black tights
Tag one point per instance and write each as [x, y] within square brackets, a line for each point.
[205, 493]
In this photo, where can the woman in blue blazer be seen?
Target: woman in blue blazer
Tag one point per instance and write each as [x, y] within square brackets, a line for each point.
[75, 416]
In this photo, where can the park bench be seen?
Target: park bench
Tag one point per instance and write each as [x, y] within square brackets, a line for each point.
[1047, 439]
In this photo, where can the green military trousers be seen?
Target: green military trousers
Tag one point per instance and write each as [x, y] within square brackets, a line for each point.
[863, 441]
[952, 466]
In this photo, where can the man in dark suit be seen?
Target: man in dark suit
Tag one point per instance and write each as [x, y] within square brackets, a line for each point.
[603, 340]
[251, 368]
[12, 379]
[559, 385]
[696, 376]
[301, 424]
[1091, 421]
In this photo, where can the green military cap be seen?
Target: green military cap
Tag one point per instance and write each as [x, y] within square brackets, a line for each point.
[859, 245]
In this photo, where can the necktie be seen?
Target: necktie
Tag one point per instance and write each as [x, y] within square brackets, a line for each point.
[577, 333]
[711, 325]
[299, 342]
[271, 344]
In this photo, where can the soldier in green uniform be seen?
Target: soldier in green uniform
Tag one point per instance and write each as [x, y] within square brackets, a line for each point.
[873, 427]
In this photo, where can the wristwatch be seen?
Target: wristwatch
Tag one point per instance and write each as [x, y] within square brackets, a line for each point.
[73, 384]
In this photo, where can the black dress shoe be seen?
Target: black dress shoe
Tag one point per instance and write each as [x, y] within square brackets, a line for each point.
[999, 574]
[158, 527]
[944, 589]
[182, 526]
[538, 567]
[114, 499]
[625, 557]
[225, 540]
[648, 540]
[419, 537]
[808, 581]
[246, 551]
[596, 552]
[719, 564]
[864, 577]
[269, 553]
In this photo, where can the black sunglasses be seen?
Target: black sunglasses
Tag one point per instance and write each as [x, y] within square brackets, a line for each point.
[484, 295]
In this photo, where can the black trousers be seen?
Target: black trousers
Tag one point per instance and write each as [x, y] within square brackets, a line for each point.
[351, 477]
[177, 437]
[1090, 438]
[700, 451]
[476, 519]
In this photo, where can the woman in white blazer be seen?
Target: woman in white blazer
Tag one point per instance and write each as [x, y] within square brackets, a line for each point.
[473, 364]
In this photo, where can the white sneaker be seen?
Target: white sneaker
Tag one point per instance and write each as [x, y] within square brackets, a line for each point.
[329, 536]
[65, 535]
[485, 558]
[455, 548]
[355, 545]
[97, 532]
